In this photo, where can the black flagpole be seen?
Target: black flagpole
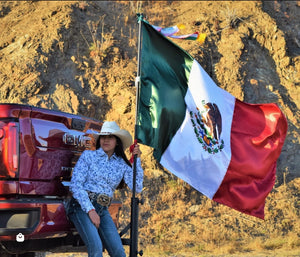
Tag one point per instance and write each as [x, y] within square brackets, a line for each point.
[134, 200]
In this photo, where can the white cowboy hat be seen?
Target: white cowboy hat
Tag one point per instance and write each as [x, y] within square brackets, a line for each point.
[112, 128]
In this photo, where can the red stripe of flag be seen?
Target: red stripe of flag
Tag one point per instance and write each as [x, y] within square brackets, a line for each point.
[257, 136]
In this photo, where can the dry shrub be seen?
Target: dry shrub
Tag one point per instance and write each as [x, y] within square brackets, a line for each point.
[176, 226]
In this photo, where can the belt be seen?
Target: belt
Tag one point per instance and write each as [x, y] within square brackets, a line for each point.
[101, 199]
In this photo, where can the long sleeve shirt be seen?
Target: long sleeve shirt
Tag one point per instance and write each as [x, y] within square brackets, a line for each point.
[96, 172]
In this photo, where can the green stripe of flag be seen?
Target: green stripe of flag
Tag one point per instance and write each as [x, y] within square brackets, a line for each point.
[165, 70]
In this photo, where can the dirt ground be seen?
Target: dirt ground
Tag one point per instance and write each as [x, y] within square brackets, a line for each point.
[47, 57]
[81, 57]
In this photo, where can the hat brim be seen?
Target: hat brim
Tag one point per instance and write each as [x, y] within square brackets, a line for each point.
[124, 136]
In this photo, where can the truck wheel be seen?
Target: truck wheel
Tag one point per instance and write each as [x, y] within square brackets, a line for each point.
[26, 255]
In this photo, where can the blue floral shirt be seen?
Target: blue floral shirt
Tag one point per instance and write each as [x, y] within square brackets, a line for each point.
[95, 172]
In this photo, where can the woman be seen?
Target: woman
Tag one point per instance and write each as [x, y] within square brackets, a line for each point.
[95, 177]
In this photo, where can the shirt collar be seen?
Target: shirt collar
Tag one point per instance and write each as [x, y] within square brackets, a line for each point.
[102, 153]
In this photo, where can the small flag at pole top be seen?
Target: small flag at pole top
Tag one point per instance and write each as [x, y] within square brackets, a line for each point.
[171, 31]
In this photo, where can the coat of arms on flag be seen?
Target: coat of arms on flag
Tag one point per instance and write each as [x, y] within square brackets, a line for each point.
[207, 123]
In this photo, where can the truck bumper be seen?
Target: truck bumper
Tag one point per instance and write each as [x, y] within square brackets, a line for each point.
[33, 218]
[39, 218]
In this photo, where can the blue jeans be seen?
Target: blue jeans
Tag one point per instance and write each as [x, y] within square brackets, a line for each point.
[106, 235]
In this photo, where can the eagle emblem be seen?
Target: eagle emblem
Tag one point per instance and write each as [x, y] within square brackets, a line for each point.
[207, 123]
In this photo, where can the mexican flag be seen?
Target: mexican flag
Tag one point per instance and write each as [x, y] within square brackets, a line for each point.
[221, 146]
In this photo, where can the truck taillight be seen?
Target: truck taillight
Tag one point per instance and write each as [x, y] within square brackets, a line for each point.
[10, 148]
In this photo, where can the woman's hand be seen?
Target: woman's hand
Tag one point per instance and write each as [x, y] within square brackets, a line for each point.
[136, 151]
[94, 218]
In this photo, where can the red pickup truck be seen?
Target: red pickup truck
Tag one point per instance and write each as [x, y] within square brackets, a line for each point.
[38, 150]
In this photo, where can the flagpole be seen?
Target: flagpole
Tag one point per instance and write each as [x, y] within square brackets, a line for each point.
[134, 200]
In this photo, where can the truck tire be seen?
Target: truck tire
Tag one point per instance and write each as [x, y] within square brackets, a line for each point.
[23, 255]
[36, 254]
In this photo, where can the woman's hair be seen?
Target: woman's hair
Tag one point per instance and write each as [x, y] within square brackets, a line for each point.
[120, 152]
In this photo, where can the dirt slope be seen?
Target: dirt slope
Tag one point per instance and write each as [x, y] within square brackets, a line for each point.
[80, 57]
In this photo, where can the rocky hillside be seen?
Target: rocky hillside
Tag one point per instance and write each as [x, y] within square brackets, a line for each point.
[81, 57]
